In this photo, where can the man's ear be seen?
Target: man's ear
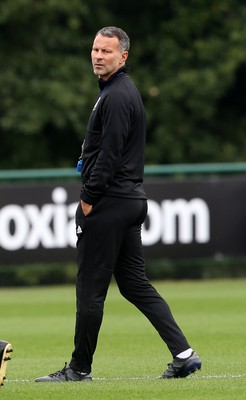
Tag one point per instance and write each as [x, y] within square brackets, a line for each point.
[124, 56]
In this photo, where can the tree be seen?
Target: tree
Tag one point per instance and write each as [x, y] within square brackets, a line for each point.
[195, 97]
[187, 59]
[46, 82]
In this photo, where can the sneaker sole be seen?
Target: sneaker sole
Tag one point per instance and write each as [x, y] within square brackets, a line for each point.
[6, 349]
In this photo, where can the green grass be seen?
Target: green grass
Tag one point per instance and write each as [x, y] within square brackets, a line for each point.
[39, 322]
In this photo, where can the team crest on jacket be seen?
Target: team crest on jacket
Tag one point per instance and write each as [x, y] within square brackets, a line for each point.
[78, 230]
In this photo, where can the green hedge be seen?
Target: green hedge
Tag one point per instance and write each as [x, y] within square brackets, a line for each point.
[60, 274]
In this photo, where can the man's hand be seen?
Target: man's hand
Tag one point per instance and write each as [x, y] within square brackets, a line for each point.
[86, 208]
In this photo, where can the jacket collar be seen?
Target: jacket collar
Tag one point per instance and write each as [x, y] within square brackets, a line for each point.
[102, 83]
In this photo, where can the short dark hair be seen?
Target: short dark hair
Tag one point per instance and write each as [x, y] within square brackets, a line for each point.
[111, 31]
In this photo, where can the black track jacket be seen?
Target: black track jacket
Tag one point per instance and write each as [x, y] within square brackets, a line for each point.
[113, 149]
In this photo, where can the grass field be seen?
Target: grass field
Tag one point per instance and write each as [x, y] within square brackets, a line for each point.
[39, 322]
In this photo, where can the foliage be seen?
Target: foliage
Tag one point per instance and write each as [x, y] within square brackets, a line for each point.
[45, 81]
[201, 84]
[65, 273]
[187, 59]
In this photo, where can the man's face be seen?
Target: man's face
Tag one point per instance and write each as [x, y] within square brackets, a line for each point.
[106, 56]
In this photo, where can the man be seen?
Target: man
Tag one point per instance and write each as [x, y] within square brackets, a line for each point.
[108, 219]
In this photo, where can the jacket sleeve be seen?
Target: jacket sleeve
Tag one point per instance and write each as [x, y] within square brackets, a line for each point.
[116, 118]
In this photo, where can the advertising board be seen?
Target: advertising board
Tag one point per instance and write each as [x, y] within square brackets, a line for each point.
[193, 218]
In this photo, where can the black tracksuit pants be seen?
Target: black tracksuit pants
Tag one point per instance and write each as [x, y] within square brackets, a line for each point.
[109, 242]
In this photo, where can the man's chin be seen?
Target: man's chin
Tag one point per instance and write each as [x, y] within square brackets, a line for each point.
[98, 71]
